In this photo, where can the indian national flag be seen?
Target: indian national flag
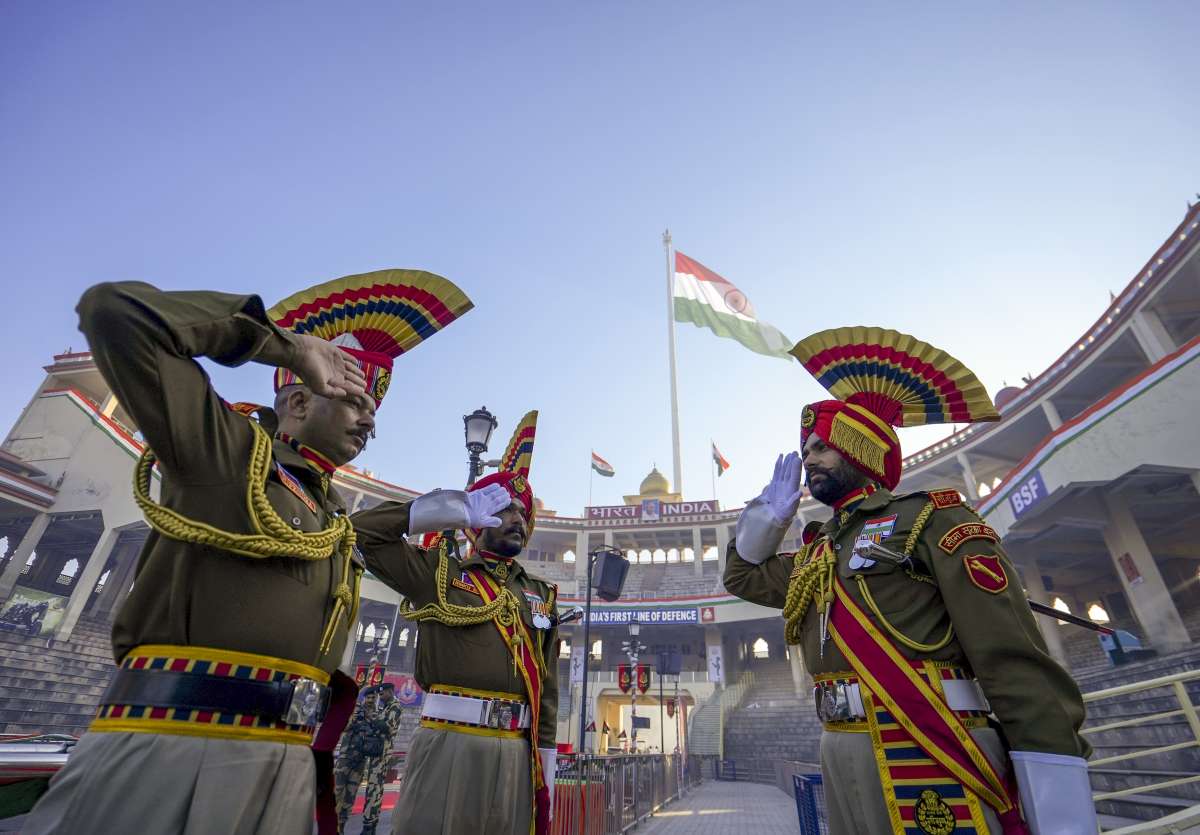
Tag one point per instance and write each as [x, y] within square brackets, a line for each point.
[708, 301]
[719, 460]
[601, 466]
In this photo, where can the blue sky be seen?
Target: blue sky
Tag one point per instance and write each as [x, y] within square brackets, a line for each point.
[980, 177]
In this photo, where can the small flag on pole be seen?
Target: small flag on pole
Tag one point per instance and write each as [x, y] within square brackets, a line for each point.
[601, 466]
[719, 460]
[709, 301]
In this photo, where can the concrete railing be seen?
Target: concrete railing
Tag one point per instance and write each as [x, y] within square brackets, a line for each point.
[1176, 685]
[731, 697]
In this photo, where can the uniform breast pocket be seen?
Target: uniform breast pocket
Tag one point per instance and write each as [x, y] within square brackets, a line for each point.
[299, 517]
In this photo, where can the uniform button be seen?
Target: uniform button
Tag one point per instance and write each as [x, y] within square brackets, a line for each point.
[837, 547]
[296, 521]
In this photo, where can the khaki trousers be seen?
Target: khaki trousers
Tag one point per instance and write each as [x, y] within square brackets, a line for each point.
[853, 794]
[166, 785]
[464, 784]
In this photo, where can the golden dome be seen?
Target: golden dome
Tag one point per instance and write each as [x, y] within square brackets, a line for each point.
[655, 484]
[538, 503]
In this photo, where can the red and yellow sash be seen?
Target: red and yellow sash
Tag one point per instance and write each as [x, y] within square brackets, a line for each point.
[919, 715]
[516, 637]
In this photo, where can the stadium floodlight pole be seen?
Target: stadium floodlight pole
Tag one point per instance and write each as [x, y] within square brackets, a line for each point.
[678, 471]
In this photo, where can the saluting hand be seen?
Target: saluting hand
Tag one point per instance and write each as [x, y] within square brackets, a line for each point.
[782, 495]
[326, 369]
[482, 505]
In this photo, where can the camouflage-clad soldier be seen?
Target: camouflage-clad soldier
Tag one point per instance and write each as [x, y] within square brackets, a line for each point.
[390, 712]
[485, 657]
[354, 753]
[248, 582]
[933, 682]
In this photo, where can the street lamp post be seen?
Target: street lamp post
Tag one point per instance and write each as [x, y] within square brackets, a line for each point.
[477, 428]
[632, 648]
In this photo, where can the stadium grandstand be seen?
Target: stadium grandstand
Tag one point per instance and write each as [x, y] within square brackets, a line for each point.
[1091, 477]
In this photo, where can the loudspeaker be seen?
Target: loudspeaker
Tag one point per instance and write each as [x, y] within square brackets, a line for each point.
[608, 577]
[669, 663]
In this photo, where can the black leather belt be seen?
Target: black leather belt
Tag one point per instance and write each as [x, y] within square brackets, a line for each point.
[301, 701]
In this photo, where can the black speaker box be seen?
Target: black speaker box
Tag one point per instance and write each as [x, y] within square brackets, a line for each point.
[608, 576]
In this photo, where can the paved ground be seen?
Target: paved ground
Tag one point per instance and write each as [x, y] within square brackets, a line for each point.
[721, 808]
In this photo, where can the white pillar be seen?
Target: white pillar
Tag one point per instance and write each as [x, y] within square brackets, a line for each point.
[608, 537]
[88, 576]
[29, 542]
[1147, 592]
[581, 560]
[116, 588]
[1153, 338]
[698, 551]
[1035, 588]
[723, 538]
[968, 476]
[1052, 415]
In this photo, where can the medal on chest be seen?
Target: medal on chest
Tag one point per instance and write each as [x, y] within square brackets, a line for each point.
[540, 609]
[874, 532]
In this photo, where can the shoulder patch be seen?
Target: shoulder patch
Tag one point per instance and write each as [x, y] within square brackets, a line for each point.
[293, 484]
[943, 499]
[964, 532]
[987, 572]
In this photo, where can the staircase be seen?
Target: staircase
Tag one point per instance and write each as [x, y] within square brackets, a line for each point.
[773, 724]
[51, 686]
[706, 727]
[1167, 730]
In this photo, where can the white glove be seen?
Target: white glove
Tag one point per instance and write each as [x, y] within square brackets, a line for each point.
[457, 509]
[764, 522]
[1056, 795]
[549, 764]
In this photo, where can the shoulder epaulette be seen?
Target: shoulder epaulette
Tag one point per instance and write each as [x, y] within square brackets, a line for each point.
[942, 499]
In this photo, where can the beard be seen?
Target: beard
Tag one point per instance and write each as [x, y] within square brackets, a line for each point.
[501, 546]
[837, 482]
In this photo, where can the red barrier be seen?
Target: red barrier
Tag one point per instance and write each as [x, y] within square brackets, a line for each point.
[567, 808]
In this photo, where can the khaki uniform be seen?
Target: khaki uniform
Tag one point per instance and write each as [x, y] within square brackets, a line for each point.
[185, 595]
[1036, 702]
[450, 785]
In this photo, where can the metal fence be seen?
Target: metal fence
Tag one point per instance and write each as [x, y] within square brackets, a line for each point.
[1172, 740]
[609, 795]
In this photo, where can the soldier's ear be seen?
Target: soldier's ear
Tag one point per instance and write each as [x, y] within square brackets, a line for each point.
[299, 402]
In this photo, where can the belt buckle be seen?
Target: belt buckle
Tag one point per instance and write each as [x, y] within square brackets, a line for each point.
[833, 703]
[502, 715]
[307, 703]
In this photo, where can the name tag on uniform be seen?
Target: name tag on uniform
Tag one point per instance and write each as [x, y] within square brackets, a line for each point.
[292, 483]
[463, 581]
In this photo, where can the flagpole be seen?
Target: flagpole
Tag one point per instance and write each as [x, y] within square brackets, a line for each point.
[591, 477]
[678, 471]
[713, 471]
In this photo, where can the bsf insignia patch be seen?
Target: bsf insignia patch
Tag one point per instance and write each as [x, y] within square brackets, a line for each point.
[987, 572]
[382, 381]
[943, 499]
[933, 815]
[808, 418]
[519, 484]
[959, 534]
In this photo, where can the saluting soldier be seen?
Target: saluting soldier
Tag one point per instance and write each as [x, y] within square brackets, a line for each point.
[248, 582]
[482, 760]
[932, 680]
